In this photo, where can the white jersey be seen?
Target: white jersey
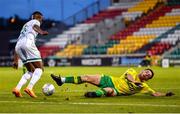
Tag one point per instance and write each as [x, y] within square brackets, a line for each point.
[28, 29]
[25, 46]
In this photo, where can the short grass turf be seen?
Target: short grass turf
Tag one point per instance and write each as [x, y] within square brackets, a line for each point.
[69, 97]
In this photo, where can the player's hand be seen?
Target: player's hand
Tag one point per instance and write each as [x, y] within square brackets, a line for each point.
[15, 65]
[168, 94]
[45, 33]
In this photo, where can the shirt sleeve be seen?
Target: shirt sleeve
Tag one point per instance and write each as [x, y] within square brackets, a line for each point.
[36, 22]
[132, 72]
[147, 89]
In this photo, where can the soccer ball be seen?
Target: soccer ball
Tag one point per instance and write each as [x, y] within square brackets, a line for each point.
[48, 89]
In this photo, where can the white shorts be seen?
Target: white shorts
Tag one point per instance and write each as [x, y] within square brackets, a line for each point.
[27, 50]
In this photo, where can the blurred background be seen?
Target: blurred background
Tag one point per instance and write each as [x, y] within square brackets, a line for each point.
[97, 32]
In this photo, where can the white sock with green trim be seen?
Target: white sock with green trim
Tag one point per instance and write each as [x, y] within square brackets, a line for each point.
[25, 77]
[35, 77]
[63, 79]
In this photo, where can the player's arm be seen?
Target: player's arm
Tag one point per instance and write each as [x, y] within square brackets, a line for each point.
[15, 60]
[39, 30]
[130, 78]
[159, 94]
[147, 89]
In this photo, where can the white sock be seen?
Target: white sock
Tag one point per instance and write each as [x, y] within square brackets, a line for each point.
[35, 77]
[25, 77]
[63, 79]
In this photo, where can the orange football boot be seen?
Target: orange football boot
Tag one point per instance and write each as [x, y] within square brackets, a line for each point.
[17, 93]
[30, 92]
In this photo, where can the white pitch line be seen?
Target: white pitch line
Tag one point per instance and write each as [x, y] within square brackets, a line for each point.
[29, 102]
[120, 104]
[89, 103]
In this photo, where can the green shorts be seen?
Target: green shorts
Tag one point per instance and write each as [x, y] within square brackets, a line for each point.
[106, 81]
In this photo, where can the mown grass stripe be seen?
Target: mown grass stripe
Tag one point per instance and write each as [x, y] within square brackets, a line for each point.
[89, 103]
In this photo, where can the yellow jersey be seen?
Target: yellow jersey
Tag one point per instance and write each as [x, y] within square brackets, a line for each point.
[126, 87]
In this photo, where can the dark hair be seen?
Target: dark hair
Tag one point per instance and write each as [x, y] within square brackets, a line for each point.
[37, 12]
[151, 72]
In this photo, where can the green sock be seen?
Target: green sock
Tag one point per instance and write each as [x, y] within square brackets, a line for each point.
[100, 92]
[73, 79]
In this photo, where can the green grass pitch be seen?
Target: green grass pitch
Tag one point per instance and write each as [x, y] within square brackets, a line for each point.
[69, 98]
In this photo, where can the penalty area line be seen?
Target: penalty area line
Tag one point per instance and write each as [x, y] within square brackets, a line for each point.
[90, 103]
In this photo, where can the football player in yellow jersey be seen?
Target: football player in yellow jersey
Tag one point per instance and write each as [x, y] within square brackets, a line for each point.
[128, 83]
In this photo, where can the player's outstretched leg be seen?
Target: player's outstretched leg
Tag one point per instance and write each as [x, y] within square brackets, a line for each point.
[57, 79]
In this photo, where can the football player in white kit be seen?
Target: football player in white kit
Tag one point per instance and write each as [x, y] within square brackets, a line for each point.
[27, 51]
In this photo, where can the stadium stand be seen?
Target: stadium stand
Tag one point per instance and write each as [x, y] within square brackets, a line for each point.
[48, 50]
[126, 29]
[72, 51]
[174, 39]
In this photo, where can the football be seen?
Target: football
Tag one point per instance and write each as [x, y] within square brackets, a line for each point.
[48, 89]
